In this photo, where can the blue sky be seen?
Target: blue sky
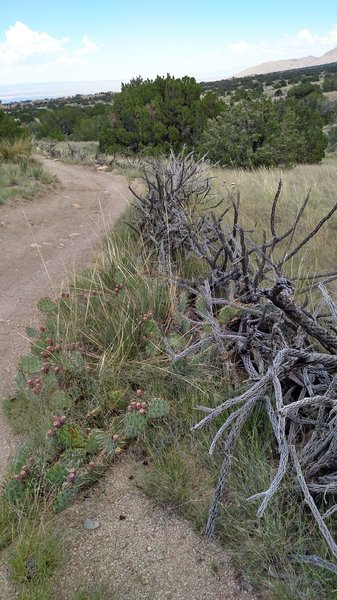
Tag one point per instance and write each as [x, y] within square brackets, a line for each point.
[79, 40]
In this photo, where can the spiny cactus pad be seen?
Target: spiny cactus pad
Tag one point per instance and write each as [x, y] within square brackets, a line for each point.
[20, 380]
[74, 458]
[46, 305]
[70, 436]
[135, 424]
[157, 408]
[30, 364]
[55, 476]
[32, 332]
[100, 441]
[177, 342]
[60, 400]
[63, 499]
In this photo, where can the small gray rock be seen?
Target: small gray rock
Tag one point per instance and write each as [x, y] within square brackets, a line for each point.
[91, 524]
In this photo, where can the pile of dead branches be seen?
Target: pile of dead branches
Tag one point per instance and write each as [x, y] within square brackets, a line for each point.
[167, 215]
[287, 352]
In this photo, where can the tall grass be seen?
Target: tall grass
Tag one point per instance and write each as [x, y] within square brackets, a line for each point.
[24, 179]
[15, 150]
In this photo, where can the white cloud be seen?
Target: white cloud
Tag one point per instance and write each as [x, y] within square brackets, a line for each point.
[88, 47]
[238, 46]
[21, 43]
[238, 55]
[305, 36]
[24, 48]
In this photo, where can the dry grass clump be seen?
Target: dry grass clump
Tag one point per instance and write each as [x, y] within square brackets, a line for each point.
[15, 150]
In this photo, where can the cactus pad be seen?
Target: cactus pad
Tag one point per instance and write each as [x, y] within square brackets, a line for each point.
[30, 364]
[46, 305]
[55, 476]
[63, 499]
[100, 441]
[157, 408]
[70, 436]
[135, 424]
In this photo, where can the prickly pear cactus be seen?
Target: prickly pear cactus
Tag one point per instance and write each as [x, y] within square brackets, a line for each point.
[55, 476]
[59, 399]
[20, 380]
[177, 342]
[74, 458]
[13, 492]
[200, 305]
[229, 312]
[32, 332]
[157, 408]
[46, 305]
[30, 364]
[91, 476]
[100, 441]
[70, 436]
[64, 499]
[135, 424]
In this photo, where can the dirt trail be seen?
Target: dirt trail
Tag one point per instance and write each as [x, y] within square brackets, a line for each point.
[150, 554]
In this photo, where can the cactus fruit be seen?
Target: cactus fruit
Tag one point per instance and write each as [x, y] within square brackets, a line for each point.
[135, 424]
[100, 441]
[157, 408]
[46, 305]
[30, 364]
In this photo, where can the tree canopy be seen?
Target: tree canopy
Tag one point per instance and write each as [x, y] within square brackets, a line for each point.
[156, 115]
[261, 132]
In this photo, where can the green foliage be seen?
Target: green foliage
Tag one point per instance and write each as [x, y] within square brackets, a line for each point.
[157, 408]
[135, 424]
[156, 115]
[46, 305]
[70, 122]
[100, 441]
[253, 133]
[30, 364]
[9, 128]
[70, 436]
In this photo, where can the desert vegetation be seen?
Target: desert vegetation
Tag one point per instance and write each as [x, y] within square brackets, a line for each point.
[21, 174]
[205, 335]
[138, 347]
[253, 122]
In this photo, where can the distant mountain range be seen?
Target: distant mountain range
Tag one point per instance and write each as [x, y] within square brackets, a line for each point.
[293, 63]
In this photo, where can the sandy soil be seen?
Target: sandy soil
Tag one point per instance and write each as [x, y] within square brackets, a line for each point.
[150, 554]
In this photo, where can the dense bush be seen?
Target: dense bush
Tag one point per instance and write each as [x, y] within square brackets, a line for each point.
[157, 115]
[261, 132]
[71, 122]
[10, 129]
